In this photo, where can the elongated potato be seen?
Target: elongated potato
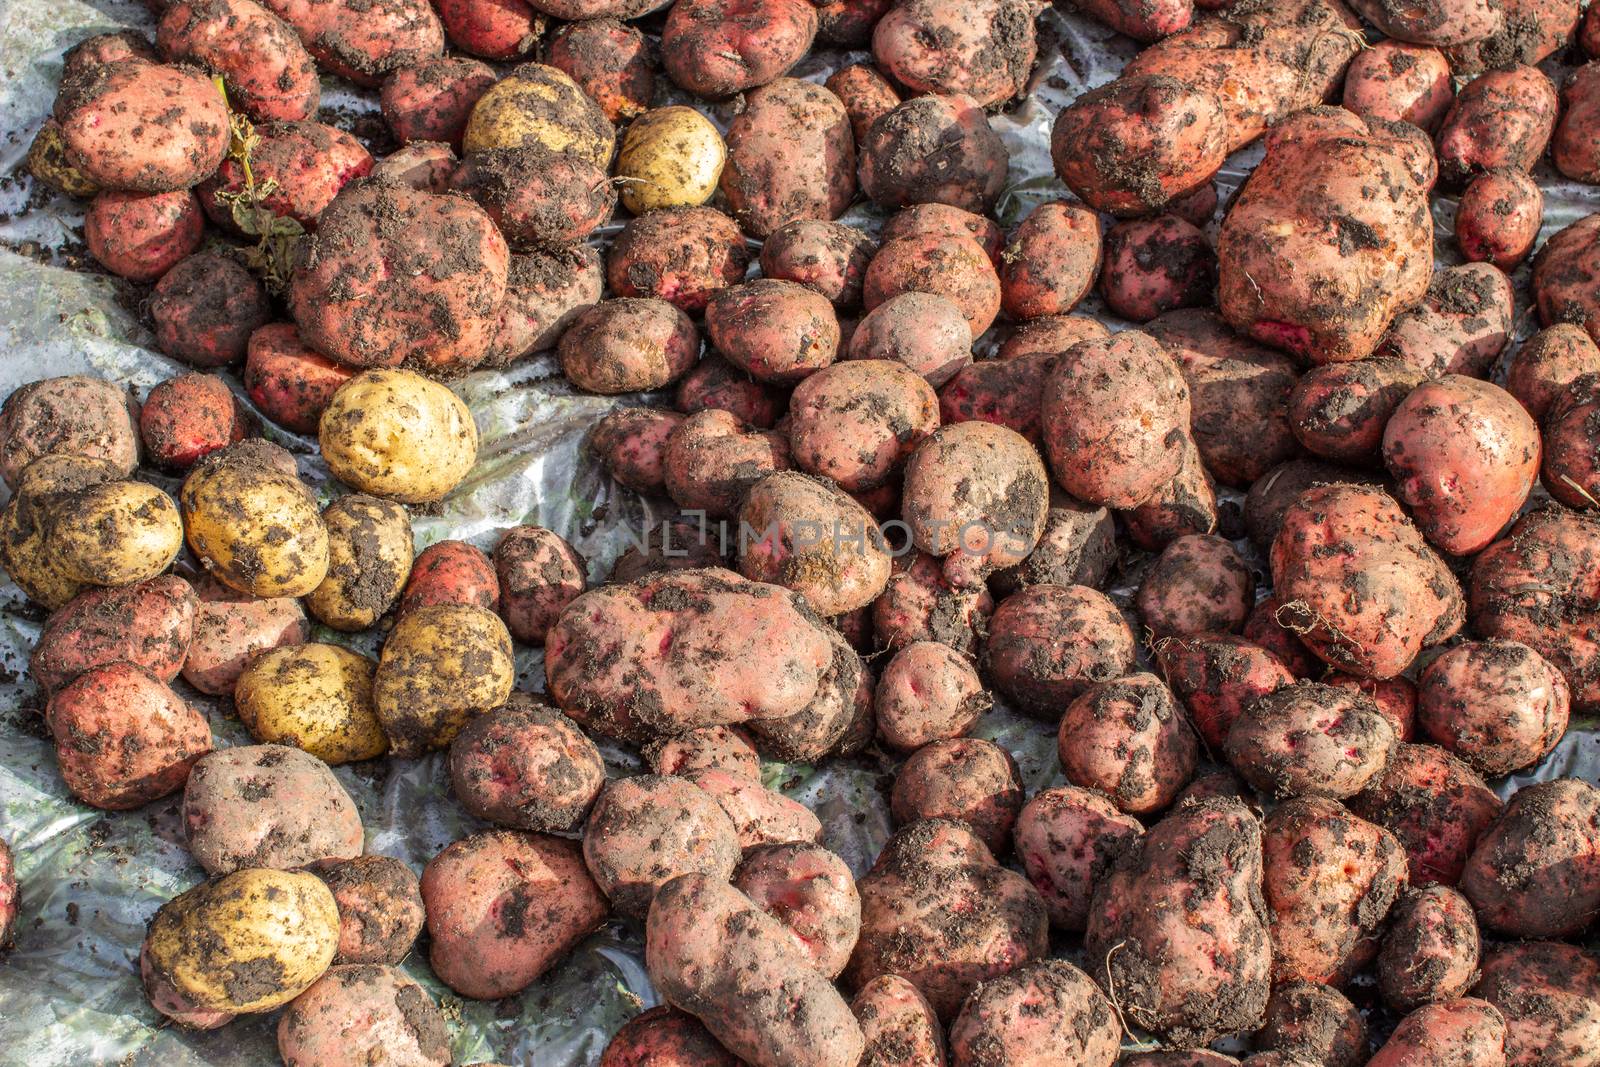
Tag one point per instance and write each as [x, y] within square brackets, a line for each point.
[369, 558]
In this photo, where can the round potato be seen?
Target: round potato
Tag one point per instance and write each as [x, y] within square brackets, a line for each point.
[984, 49]
[1130, 740]
[645, 831]
[926, 332]
[898, 1023]
[451, 572]
[1066, 839]
[315, 697]
[24, 523]
[666, 1037]
[115, 533]
[933, 149]
[539, 574]
[928, 692]
[288, 380]
[190, 416]
[268, 73]
[1048, 643]
[540, 105]
[74, 415]
[230, 627]
[810, 890]
[809, 536]
[526, 766]
[431, 101]
[141, 236]
[368, 1013]
[396, 434]
[956, 268]
[716, 48]
[306, 164]
[536, 197]
[791, 157]
[611, 61]
[857, 422]
[380, 907]
[1044, 1012]
[683, 255]
[140, 126]
[441, 665]
[369, 559]
[628, 345]
[1310, 740]
[965, 780]
[670, 157]
[149, 624]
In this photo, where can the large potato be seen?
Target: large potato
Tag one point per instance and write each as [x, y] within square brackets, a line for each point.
[646, 830]
[1549, 995]
[1066, 840]
[440, 666]
[1048, 643]
[267, 70]
[70, 416]
[1045, 1012]
[370, 553]
[25, 551]
[809, 536]
[142, 126]
[670, 157]
[1435, 805]
[791, 156]
[1310, 740]
[254, 523]
[149, 624]
[933, 149]
[540, 105]
[314, 697]
[718, 47]
[1536, 871]
[395, 434]
[984, 49]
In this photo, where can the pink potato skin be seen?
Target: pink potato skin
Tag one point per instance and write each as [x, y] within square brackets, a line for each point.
[1128, 739]
[230, 627]
[105, 48]
[965, 780]
[858, 421]
[166, 999]
[933, 149]
[632, 442]
[928, 692]
[1143, 21]
[1498, 218]
[1066, 840]
[308, 162]
[1396, 698]
[865, 93]
[716, 383]
[1186, 506]
[1498, 705]
[791, 156]
[288, 380]
[1500, 119]
[539, 574]
[1046, 644]
[1461, 327]
[1338, 411]
[1315, 1023]
[526, 766]
[398, 1019]
[1399, 82]
[1465, 1032]
[140, 237]
[953, 267]
[1214, 676]
[366, 45]
[1198, 585]
[1565, 276]
[103, 425]
[537, 198]
[665, 1037]
[186, 418]
[1310, 740]
[610, 61]
[760, 816]
[924, 331]
[714, 48]
[1572, 149]
[380, 908]
[710, 748]
[546, 290]
[422, 165]
[644, 831]
[682, 255]
[809, 890]
[1549, 995]
[1435, 805]
[984, 51]
[1157, 265]
[8, 898]
[898, 1023]
[627, 345]
[919, 604]
[503, 30]
[1078, 547]
[450, 572]
[431, 101]
[1044, 1012]
[142, 127]
[1536, 872]
[829, 257]
[149, 624]
[205, 309]
[778, 331]
[711, 460]
[1431, 951]
[268, 72]
[1050, 262]
[503, 907]
[945, 220]
[1544, 368]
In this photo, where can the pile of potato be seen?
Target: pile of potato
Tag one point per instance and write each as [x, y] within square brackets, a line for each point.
[1268, 802]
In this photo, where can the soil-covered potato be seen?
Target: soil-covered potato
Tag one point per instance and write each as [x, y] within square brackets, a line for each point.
[1271, 495]
[714, 48]
[1431, 951]
[290, 382]
[75, 415]
[1461, 326]
[431, 100]
[953, 267]
[1534, 872]
[1571, 468]
[307, 164]
[631, 443]
[422, 165]
[398, 435]
[858, 421]
[190, 416]
[1396, 81]
[1498, 218]
[919, 604]
[609, 60]
[314, 697]
[1048, 643]
[142, 127]
[1130, 740]
[807, 535]
[865, 93]
[826, 256]
[1564, 277]
[1078, 547]
[1549, 996]
[966, 780]
[451, 572]
[254, 523]
[231, 627]
[986, 53]
[365, 45]
[711, 460]
[778, 331]
[899, 1024]
[141, 236]
[681, 254]
[149, 624]
[507, 30]
[1050, 262]
[539, 105]
[1047, 1011]
[1497, 704]
[205, 309]
[1156, 265]
[1216, 676]
[810, 890]
[1503, 118]
[1186, 506]
[25, 550]
[628, 345]
[927, 692]
[1198, 585]
[1435, 805]
[933, 149]
[365, 1011]
[1310, 740]
[537, 198]
[114, 533]
[665, 1037]
[526, 766]
[1315, 1022]
[760, 816]
[1465, 1032]
[380, 908]
[924, 331]
[546, 290]
[791, 156]
[1338, 411]
[369, 559]
[441, 665]
[268, 72]
[716, 383]
[646, 830]
[1066, 840]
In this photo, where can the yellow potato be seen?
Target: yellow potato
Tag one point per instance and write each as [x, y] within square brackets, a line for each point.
[246, 942]
[369, 558]
[315, 697]
[24, 551]
[441, 665]
[396, 434]
[115, 533]
[47, 162]
[540, 105]
[670, 157]
[253, 524]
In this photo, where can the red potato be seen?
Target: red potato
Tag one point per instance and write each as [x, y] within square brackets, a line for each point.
[1461, 327]
[628, 345]
[828, 257]
[105, 48]
[1314, 1022]
[609, 60]
[715, 48]
[857, 422]
[632, 442]
[585, 10]
[1066, 840]
[539, 574]
[933, 149]
[1184, 507]
[1049, 335]
[205, 309]
[1498, 218]
[364, 46]
[1498, 705]
[142, 127]
[716, 383]
[1215, 677]
[1050, 262]
[1396, 698]
[546, 290]
[1199, 584]
[398, 1019]
[791, 156]
[1130, 740]
[380, 908]
[674, 545]
[1046, 1012]
[230, 627]
[710, 748]
[665, 1037]
[837, 720]
[188, 417]
[928, 692]
[1455, 1033]
[1179, 1059]
[1394, 81]
[450, 572]
[864, 92]
[1264, 629]
[807, 535]
[140, 237]
[1310, 740]
[924, 331]
[1536, 871]
[985, 54]
[760, 816]
[1434, 23]
[266, 806]
[964, 780]
[1184, 903]
[268, 72]
[1571, 456]
[526, 766]
[1547, 364]
[1078, 547]
[1109, 443]
[123, 737]
[505, 30]
[289, 381]
[921, 604]
[1431, 951]
[1141, 21]
[1549, 996]
[537, 197]
[938, 911]
[1049, 643]
[1435, 805]
[898, 1023]
[1343, 537]
[1338, 411]
[778, 331]
[1156, 265]
[308, 164]
[1500, 119]
[1589, 33]
[711, 460]
[952, 267]
[149, 625]
[422, 165]
[1326, 294]
[431, 101]
[945, 220]
[1139, 143]
[73, 415]
[809, 890]
[505, 906]
[1271, 495]
[1564, 277]
[681, 255]
[975, 495]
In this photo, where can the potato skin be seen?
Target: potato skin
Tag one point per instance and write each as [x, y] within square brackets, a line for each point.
[927, 692]
[380, 908]
[546, 289]
[1199, 584]
[1549, 995]
[964, 780]
[1435, 805]
[628, 345]
[1051, 261]
[865, 93]
[526, 766]
[500, 31]
[791, 156]
[1396, 81]
[503, 907]
[841, 570]
[535, 197]
[115, 533]
[631, 443]
[919, 604]
[74, 415]
[1498, 705]
[665, 1037]
[167, 1001]
[681, 254]
[279, 927]
[237, 505]
[1130, 740]
[1431, 951]
[288, 380]
[1316, 1022]
[760, 816]
[609, 60]
[1215, 676]
[415, 458]
[894, 157]
[142, 127]
[714, 48]
[538, 105]
[1571, 468]
[1066, 839]
[924, 331]
[985, 54]
[1572, 148]
[431, 100]
[1183, 507]
[1338, 411]
[205, 309]
[1048, 643]
[1310, 740]
[141, 236]
[190, 416]
[1534, 872]
[230, 627]
[1503, 118]
[25, 551]
[898, 1023]
[1041, 1013]
[1078, 547]
[644, 831]
[441, 665]
[826, 256]
[953, 267]
[778, 331]
[123, 738]
[1498, 218]
[1156, 265]
[809, 890]
[369, 559]
[1460, 328]
[710, 748]
[103, 48]
[315, 697]
[539, 574]
[308, 162]
[397, 1019]
[267, 70]
[364, 46]
[149, 624]
[1452, 1033]
[856, 422]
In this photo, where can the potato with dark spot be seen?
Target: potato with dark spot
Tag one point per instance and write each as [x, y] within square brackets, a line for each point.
[369, 560]
[1215, 677]
[315, 697]
[1454, 1033]
[1316, 1022]
[933, 149]
[952, 267]
[188, 417]
[526, 766]
[431, 100]
[103, 48]
[1498, 218]
[1571, 468]
[1185, 506]
[1271, 495]
[1264, 629]
[1078, 547]
[1547, 364]
[380, 908]
[628, 345]
[149, 624]
[288, 380]
[254, 523]
[920, 604]
[364, 45]
[1549, 996]
[142, 127]
[1497, 704]
[230, 627]
[828, 257]
[711, 460]
[609, 60]
[1050, 262]
[1310, 740]
[75, 415]
[1066, 840]
[1396, 698]
[1048, 643]
[1338, 411]
[166, 999]
[715, 48]
[838, 715]
[965, 780]
[1461, 327]
[267, 806]
[422, 165]
[1199, 584]
[1431, 951]
[985, 54]
[807, 535]
[681, 255]
[268, 73]
[709, 748]
[546, 290]
[809, 890]
[141, 236]
[665, 1037]
[1536, 871]
[1500, 119]
[1434, 805]
[501, 30]
[537, 198]
[925, 331]
[1045, 1012]
[631, 444]
[205, 309]
[778, 331]
[927, 692]
[450, 572]
[900, 1027]
[857, 422]
[1399, 82]
[1128, 739]
[367, 1011]
[1156, 265]
[538, 105]
[791, 157]
[441, 665]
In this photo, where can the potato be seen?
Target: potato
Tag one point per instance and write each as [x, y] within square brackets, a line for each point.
[837, 719]
[1394, 81]
[711, 460]
[369, 559]
[1498, 218]
[432, 100]
[1338, 411]
[1498, 705]
[933, 149]
[314, 697]
[924, 331]
[115, 533]
[934, 219]
[25, 550]
[441, 665]
[268, 73]
[610, 61]
[863, 91]
[142, 127]
[539, 105]
[1135, 145]
[1564, 276]
[1143, 22]
[190, 416]
[246, 942]
[1128, 739]
[1572, 148]
[141, 236]
[791, 156]
[631, 443]
[646, 830]
[1156, 265]
[681, 255]
[628, 345]
[47, 164]
[927, 692]
[953, 267]
[439, 313]
[670, 157]
[1078, 547]
[1434, 805]
[539, 574]
[1461, 327]
[1532, 873]
[287, 380]
[1263, 628]
[810, 891]
[1546, 365]
[807, 535]
[505, 906]
[919, 604]
[1048, 643]
[778, 331]
[679, 544]
[501, 31]
[1198, 585]
[1453, 1033]
[760, 816]
[1066, 839]
[123, 738]
[964, 780]
[380, 908]
[526, 766]
[366, 1011]
[898, 1023]
[1431, 951]
[716, 48]
[103, 48]
[985, 55]
[167, 1001]
[365, 45]
[205, 309]
[396, 434]
[1185, 1059]
[857, 422]
[75, 415]
[710, 748]
[1185, 506]
[1315, 1022]
[230, 627]
[1396, 698]
[267, 806]
[1108, 443]
[546, 290]
[1549, 996]
[828, 257]
[307, 163]
[1408, 598]
[938, 911]
[1569, 471]
[1271, 495]
[665, 1037]
[716, 383]
[1589, 34]
[1310, 740]
[1215, 676]
[1500, 119]
[1050, 262]
[253, 523]
[425, 166]
[537, 197]
[149, 625]
[1043, 1012]
[1184, 904]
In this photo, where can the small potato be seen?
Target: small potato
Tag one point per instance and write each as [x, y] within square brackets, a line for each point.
[1184, 507]
[74, 415]
[142, 127]
[367, 1011]
[1044, 1012]
[609, 60]
[1533, 873]
[628, 345]
[681, 255]
[924, 331]
[1215, 677]
[123, 738]
[670, 157]
[149, 625]
[1315, 1023]
[1399, 82]
[857, 422]
[711, 461]
[1500, 119]
[536, 197]
[1048, 643]
[268, 73]
[396, 434]
[1549, 997]
[505, 906]
[1564, 277]
[546, 290]
[965, 780]
[230, 627]
[1338, 411]
[1498, 218]
[307, 163]
[933, 219]
[665, 1037]
[778, 331]
[281, 928]
[1271, 495]
[188, 417]
[864, 92]
[267, 806]
[715, 48]
[837, 719]
[952, 267]
[431, 101]
[1078, 547]
[115, 533]
[1435, 805]
[828, 257]
[809, 890]
[313, 697]
[141, 236]
[1156, 265]
[441, 665]
[507, 30]
[1455, 1033]
[1571, 468]
[933, 149]
[1130, 740]
[365, 45]
[1310, 740]
[918, 604]
[1498, 705]
[370, 555]
[380, 908]
[1461, 327]
[1198, 585]
[1051, 261]
[985, 54]
[289, 381]
[928, 692]
[539, 574]
[898, 1023]
[205, 309]
[1547, 364]
[645, 831]
[631, 444]
[1431, 951]
[526, 766]
[1066, 840]
[716, 383]
[807, 535]
[47, 164]
[710, 748]
[254, 523]
[791, 156]
[539, 105]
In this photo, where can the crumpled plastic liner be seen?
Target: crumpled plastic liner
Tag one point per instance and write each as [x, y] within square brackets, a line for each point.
[70, 993]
